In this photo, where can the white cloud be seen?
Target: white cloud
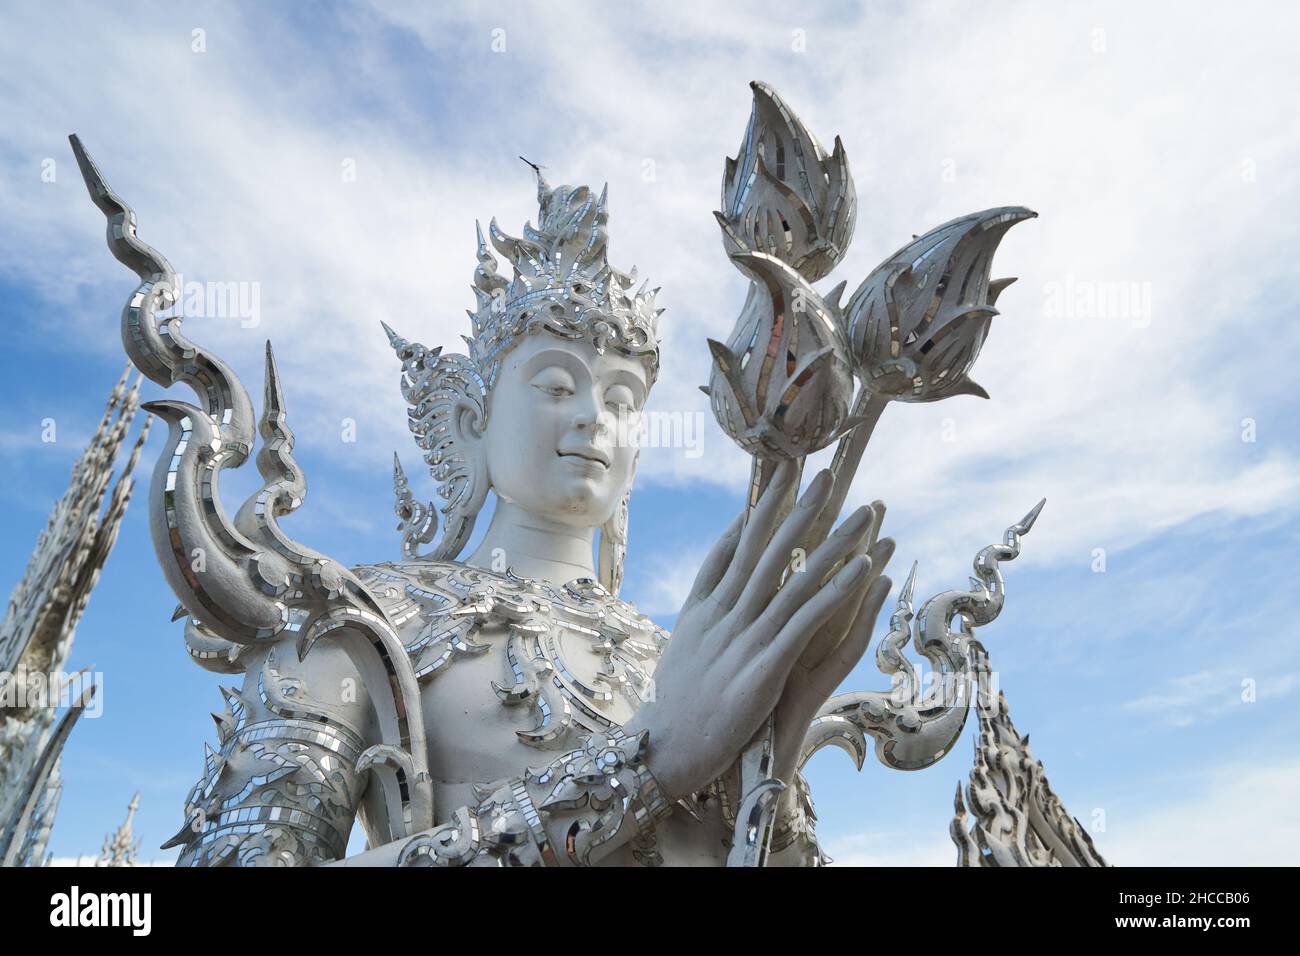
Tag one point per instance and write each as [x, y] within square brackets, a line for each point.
[1239, 814]
[669, 583]
[1244, 814]
[1128, 430]
[1205, 695]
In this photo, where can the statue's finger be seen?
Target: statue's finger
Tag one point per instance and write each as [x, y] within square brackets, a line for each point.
[715, 563]
[757, 533]
[777, 556]
[878, 507]
[815, 612]
[800, 586]
[830, 637]
[846, 656]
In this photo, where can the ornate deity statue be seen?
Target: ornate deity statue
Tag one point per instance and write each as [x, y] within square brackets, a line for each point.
[503, 705]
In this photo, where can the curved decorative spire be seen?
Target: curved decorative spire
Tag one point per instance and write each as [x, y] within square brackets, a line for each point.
[1019, 819]
[245, 582]
[912, 729]
[121, 846]
[40, 624]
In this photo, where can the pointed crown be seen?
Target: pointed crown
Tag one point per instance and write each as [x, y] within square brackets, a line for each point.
[562, 283]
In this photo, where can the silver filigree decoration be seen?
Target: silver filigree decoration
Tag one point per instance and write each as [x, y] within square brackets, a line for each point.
[418, 522]
[455, 603]
[1019, 820]
[440, 391]
[563, 283]
[596, 788]
[913, 728]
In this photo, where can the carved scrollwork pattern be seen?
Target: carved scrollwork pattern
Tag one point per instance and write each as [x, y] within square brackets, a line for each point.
[588, 795]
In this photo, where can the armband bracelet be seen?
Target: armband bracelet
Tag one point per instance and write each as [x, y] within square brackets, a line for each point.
[595, 789]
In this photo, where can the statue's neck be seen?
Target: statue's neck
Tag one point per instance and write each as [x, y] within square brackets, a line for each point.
[535, 547]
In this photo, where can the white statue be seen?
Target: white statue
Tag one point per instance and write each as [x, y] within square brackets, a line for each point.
[505, 706]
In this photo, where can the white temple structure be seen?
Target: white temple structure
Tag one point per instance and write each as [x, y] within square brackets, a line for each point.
[39, 626]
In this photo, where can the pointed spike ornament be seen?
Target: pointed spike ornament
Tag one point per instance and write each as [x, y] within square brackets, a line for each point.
[1027, 522]
[418, 520]
[905, 596]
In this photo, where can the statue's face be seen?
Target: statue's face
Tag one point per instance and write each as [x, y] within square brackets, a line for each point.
[559, 417]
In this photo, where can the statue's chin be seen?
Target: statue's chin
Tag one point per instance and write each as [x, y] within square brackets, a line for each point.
[584, 505]
[577, 492]
[579, 502]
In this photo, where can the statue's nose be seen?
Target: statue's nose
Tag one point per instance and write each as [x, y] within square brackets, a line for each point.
[594, 424]
[591, 417]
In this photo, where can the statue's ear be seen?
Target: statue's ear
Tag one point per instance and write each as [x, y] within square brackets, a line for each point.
[470, 426]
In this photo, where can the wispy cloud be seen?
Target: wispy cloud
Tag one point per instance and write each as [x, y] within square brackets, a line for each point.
[1236, 814]
[1239, 814]
[1206, 695]
[667, 583]
[237, 176]
[887, 850]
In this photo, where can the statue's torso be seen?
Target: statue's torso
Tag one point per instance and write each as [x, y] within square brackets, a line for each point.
[513, 671]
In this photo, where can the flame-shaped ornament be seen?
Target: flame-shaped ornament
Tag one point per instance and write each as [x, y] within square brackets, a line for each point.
[783, 195]
[781, 386]
[916, 324]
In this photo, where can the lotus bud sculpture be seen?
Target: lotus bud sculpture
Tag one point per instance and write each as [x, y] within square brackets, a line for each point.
[915, 326]
[783, 384]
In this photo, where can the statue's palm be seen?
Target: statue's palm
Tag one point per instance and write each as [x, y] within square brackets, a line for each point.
[738, 638]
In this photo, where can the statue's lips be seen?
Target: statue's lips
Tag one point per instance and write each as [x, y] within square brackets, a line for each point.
[590, 454]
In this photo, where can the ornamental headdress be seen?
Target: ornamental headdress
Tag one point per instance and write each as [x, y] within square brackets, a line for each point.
[562, 284]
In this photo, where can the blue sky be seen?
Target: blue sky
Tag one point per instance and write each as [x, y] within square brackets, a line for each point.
[1152, 142]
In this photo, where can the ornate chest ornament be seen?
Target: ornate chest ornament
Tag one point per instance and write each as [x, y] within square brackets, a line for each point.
[455, 602]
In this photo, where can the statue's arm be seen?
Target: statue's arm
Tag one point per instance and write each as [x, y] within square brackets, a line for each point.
[289, 775]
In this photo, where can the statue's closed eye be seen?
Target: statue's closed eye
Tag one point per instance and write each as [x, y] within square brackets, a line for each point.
[620, 396]
[554, 381]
